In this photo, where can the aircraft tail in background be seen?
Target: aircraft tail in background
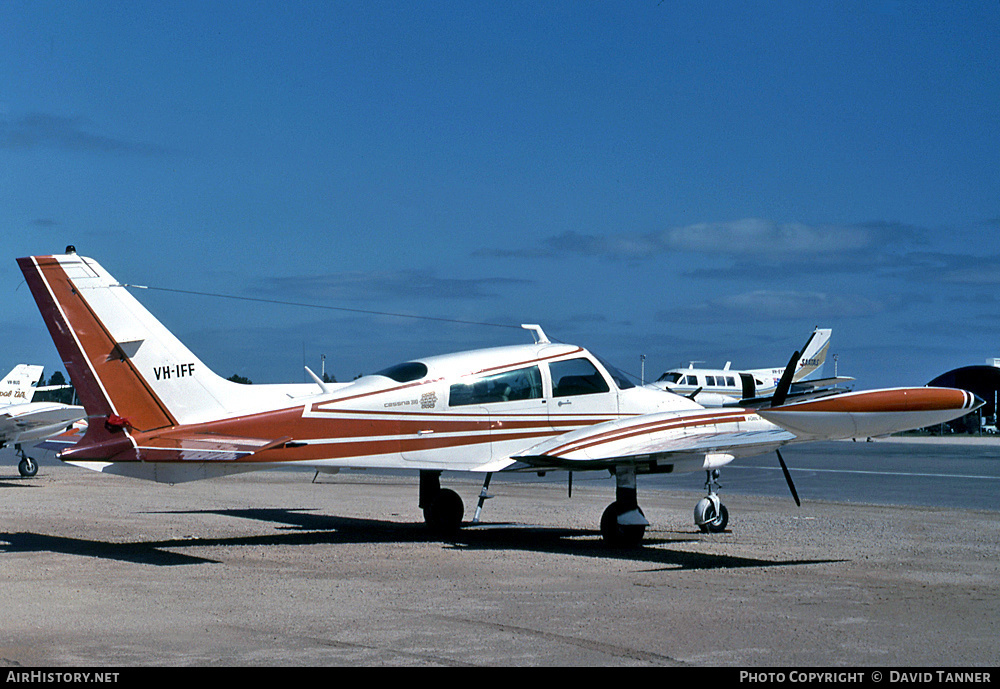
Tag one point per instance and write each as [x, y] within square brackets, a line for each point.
[18, 386]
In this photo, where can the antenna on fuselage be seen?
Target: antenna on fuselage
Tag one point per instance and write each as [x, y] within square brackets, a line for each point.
[537, 333]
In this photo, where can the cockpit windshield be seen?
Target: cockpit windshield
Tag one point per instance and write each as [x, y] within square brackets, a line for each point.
[670, 377]
[404, 373]
[621, 380]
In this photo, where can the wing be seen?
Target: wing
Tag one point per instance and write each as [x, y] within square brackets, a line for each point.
[36, 420]
[666, 441]
[703, 439]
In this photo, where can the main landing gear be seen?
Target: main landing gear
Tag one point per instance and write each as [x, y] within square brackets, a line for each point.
[623, 524]
[27, 467]
[443, 508]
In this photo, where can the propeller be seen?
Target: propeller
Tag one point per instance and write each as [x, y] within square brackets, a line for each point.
[788, 477]
[781, 390]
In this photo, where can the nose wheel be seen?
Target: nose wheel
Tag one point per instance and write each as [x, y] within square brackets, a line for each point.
[710, 515]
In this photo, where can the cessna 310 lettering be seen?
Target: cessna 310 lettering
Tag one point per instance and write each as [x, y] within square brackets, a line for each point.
[157, 412]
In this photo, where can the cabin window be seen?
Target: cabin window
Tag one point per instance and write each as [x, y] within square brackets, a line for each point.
[730, 381]
[522, 384]
[691, 380]
[576, 377]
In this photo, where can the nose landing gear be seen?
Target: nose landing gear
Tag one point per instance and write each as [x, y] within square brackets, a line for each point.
[710, 515]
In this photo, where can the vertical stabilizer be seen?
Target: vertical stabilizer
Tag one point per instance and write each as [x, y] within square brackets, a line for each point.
[18, 386]
[814, 355]
[125, 365]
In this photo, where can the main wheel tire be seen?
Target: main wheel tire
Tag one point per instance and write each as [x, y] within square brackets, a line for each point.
[618, 535]
[445, 514]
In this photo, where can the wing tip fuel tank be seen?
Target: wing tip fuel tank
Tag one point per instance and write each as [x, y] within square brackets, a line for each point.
[873, 412]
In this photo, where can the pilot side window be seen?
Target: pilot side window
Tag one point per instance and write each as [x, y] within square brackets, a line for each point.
[576, 377]
[522, 384]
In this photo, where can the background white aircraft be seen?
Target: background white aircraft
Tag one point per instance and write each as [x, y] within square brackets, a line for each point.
[22, 420]
[727, 387]
[157, 412]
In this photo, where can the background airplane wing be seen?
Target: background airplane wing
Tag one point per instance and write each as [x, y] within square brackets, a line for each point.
[801, 391]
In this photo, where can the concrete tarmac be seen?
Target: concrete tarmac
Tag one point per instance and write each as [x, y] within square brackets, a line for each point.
[271, 569]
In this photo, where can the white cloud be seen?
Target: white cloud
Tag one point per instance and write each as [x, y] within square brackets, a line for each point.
[776, 305]
[762, 236]
[739, 239]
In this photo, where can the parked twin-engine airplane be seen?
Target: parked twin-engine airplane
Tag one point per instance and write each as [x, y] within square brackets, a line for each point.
[22, 420]
[727, 387]
[157, 412]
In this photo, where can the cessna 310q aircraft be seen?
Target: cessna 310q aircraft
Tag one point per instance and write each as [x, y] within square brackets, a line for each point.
[728, 387]
[22, 420]
[157, 412]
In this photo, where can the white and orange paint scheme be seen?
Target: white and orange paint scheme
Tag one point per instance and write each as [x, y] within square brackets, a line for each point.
[157, 412]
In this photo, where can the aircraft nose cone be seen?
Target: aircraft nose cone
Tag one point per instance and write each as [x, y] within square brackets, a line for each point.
[977, 401]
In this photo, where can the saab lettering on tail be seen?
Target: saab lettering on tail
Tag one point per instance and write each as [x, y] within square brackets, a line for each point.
[173, 371]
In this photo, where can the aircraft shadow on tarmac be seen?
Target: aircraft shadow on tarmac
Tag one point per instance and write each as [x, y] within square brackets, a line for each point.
[300, 527]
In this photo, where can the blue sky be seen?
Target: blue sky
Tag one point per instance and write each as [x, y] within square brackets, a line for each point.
[680, 180]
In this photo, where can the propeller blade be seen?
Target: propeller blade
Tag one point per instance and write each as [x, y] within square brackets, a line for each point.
[781, 391]
[788, 477]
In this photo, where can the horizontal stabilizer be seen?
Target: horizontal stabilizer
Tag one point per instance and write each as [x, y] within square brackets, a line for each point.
[182, 446]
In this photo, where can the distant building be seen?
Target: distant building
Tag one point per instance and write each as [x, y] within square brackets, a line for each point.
[983, 381]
